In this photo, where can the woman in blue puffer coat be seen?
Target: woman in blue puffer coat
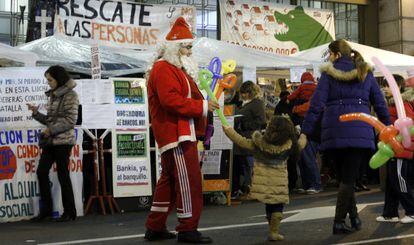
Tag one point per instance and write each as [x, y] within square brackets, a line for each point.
[346, 85]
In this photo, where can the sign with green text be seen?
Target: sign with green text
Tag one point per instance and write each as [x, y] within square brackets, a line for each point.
[131, 145]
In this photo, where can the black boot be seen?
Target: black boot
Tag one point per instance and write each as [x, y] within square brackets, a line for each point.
[193, 237]
[66, 217]
[151, 235]
[43, 216]
[356, 223]
[341, 228]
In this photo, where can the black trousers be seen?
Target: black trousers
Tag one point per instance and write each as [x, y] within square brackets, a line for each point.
[292, 173]
[272, 208]
[347, 162]
[398, 189]
[59, 154]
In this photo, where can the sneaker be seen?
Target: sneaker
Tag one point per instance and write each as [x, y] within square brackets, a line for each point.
[407, 219]
[388, 219]
[312, 191]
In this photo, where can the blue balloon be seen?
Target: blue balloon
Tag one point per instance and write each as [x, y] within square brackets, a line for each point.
[215, 68]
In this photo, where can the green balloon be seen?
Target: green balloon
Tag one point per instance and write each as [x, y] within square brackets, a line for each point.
[205, 77]
[412, 130]
[382, 156]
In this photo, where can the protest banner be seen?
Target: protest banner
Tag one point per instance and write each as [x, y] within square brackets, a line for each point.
[119, 23]
[19, 189]
[19, 86]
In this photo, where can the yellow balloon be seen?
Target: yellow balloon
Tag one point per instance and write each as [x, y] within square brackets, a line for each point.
[227, 66]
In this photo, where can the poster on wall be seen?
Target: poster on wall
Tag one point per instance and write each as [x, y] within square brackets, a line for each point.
[275, 28]
[125, 24]
[130, 139]
[19, 86]
[19, 189]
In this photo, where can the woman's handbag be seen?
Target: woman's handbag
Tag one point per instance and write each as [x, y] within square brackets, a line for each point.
[44, 141]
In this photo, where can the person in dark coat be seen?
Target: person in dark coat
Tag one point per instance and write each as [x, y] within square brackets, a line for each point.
[283, 107]
[251, 118]
[346, 85]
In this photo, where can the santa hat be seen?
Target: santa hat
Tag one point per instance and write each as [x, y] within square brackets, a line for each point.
[180, 32]
[306, 76]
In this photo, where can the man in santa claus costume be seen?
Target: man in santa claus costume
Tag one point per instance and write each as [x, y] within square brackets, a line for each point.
[178, 119]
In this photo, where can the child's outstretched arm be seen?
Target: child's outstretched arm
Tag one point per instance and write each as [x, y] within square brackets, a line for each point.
[238, 139]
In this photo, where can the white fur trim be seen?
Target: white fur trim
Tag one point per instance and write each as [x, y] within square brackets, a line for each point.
[181, 41]
[172, 145]
[183, 138]
[205, 108]
[168, 147]
[192, 130]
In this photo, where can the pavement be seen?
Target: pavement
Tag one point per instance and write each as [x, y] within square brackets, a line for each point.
[307, 220]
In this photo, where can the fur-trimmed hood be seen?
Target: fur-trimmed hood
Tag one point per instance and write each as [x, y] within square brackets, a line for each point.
[407, 96]
[340, 75]
[269, 153]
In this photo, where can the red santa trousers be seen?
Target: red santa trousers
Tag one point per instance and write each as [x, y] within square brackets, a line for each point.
[180, 186]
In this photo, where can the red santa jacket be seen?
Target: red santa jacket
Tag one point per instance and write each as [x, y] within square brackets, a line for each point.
[177, 108]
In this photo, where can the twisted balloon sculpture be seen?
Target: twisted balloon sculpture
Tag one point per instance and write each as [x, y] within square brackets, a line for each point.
[403, 123]
[205, 77]
[390, 136]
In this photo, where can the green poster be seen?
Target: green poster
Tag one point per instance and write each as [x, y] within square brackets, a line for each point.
[131, 145]
[126, 92]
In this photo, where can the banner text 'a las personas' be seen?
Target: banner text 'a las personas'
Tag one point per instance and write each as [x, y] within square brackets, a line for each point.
[119, 23]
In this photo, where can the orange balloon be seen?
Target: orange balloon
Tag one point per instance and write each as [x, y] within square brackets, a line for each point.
[373, 121]
[229, 81]
[387, 134]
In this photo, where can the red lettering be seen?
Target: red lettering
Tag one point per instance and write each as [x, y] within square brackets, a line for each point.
[29, 166]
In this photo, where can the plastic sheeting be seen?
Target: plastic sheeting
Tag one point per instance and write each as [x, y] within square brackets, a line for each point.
[11, 56]
[395, 62]
[76, 56]
[204, 49]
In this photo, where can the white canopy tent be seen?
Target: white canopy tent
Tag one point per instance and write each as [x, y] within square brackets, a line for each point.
[395, 62]
[75, 55]
[11, 56]
[204, 49]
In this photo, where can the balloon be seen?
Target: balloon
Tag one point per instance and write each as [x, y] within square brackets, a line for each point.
[403, 123]
[205, 78]
[228, 66]
[215, 68]
[371, 120]
[382, 156]
[387, 134]
[228, 82]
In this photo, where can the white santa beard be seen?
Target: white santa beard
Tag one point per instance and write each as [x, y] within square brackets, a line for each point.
[190, 67]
